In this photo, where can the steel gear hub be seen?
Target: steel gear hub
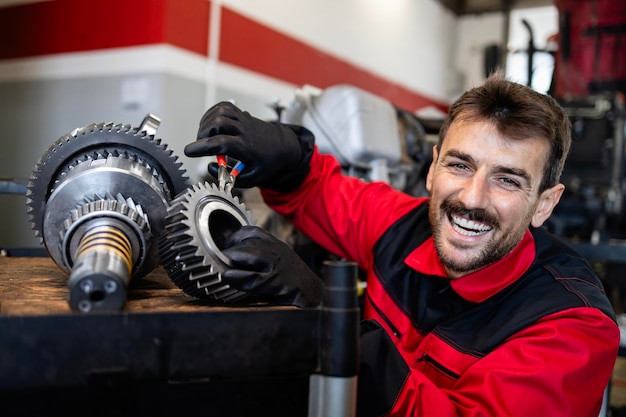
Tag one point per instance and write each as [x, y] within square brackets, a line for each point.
[198, 224]
[97, 199]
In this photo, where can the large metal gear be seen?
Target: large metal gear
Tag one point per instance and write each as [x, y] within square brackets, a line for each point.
[97, 199]
[197, 225]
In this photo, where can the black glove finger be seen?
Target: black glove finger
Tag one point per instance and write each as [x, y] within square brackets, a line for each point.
[218, 128]
[251, 257]
[219, 125]
[261, 285]
[213, 168]
[250, 232]
[204, 147]
[216, 145]
[242, 280]
[221, 109]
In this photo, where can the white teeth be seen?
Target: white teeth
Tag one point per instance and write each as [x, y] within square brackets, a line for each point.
[469, 227]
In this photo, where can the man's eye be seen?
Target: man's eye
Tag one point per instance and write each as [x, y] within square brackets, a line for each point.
[458, 166]
[509, 182]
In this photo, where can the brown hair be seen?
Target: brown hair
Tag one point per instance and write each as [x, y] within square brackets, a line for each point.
[517, 112]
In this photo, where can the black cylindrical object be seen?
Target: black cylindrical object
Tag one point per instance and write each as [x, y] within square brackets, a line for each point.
[340, 320]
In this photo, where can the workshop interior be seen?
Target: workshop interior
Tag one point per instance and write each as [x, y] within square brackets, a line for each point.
[124, 233]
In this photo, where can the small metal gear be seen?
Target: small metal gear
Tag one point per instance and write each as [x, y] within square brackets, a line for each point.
[197, 225]
[97, 199]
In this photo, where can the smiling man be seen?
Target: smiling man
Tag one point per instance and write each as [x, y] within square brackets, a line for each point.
[471, 309]
[485, 191]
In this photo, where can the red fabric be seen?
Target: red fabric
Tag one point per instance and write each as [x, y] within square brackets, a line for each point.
[557, 367]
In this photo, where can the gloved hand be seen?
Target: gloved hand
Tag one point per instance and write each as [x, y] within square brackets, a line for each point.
[276, 155]
[266, 266]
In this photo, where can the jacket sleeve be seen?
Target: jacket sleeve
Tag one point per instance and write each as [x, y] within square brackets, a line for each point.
[558, 367]
[343, 214]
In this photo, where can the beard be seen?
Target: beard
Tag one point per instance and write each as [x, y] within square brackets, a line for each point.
[494, 249]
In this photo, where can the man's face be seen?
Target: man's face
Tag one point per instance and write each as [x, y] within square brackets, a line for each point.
[484, 194]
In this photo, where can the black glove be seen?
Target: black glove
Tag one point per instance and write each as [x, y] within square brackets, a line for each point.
[264, 265]
[275, 155]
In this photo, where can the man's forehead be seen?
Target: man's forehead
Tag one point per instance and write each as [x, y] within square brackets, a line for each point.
[472, 132]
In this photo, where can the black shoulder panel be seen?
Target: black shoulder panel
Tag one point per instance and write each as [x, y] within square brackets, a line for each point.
[382, 371]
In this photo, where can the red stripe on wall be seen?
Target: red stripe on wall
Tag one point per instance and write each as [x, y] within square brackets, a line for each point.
[251, 45]
[59, 26]
[187, 24]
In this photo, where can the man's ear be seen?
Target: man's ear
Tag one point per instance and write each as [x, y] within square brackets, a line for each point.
[547, 202]
[429, 176]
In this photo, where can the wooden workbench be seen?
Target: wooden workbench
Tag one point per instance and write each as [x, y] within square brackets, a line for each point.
[36, 286]
[164, 351]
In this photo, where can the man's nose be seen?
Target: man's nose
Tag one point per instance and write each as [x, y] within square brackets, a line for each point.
[475, 192]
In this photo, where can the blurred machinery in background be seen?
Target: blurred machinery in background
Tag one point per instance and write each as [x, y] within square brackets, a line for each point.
[590, 83]
[371, 138]
[591, 55]
[593, 208]
[97, 199]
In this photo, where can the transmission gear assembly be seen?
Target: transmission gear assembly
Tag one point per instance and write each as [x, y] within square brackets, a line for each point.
[98, 199]
[198, 224]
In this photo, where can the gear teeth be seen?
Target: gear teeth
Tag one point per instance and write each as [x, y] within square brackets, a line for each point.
[194, 265]
[122, 206]
[173, 262]
[99, 141]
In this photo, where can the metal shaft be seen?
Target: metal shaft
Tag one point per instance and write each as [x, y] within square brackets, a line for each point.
[102, 270]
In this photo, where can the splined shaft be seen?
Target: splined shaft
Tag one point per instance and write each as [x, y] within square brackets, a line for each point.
[103, 264]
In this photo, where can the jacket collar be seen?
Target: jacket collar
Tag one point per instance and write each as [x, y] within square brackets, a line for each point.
[482, 284]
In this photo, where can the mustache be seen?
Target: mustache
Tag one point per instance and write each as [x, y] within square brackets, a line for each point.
[478, 215]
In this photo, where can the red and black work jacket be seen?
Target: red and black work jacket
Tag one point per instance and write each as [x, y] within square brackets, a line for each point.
[530, 335]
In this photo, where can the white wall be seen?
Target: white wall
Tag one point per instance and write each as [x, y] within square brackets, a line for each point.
[474, 33]
[403, 40]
